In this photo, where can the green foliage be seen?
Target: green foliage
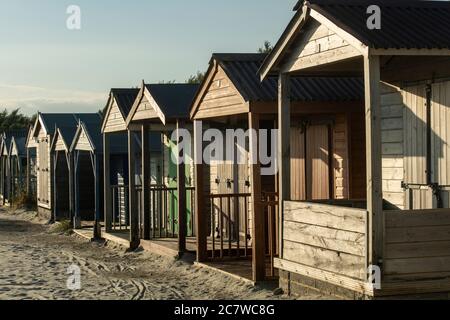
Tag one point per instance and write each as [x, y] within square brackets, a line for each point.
[266, 48]
[196, 78]
[14, 120]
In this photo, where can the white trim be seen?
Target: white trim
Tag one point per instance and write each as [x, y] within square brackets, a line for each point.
[155, 106]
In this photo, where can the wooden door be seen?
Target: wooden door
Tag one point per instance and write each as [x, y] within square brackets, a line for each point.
[318, 162]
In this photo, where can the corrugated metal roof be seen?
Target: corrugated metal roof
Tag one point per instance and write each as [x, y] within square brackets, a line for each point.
[173, 99]
[411, 24]
[242, 69]
[125, 98]
[64, 120]
[21, 146]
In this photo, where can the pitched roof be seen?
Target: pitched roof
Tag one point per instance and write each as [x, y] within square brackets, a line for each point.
[20, 143]
[62, 120]
[411, 24]
[174, 99]
[242, 69]
[7, 137]
[125, 98]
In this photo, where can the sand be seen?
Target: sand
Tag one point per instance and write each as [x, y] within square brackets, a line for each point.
[34, 262]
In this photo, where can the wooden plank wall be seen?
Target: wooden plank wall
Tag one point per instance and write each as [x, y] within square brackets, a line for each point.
[357, 155]
[392, 124]
[417, 244]
[318, 162]
[115, 121]
[325, 237]
[298, 169]
[83, 142]
[318, 43]
[222, 98]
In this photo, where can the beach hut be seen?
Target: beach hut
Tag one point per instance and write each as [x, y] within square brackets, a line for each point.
[238, 200]
[41, 138]
[161, 207]
[115, 167]
[5, 162]
[18, 165]
[396, 244]
[63, 171]
[87, 149]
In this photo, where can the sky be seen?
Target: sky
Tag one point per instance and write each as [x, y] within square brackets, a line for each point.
[46, 67]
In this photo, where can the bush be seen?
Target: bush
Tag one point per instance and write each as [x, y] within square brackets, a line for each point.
[23, 201]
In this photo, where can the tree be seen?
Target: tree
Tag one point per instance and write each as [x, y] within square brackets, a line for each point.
[266, 48]
[14, 120]
[196, 78]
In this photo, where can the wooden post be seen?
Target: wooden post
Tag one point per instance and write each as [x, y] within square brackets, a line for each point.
[97, 185]
[77, 218]
[375, 229]
[132, 196]
[69, 158]
[258, 221]
[181, 189]
[146, 181]
[28, 173]
[201, 221]
[108, 205]
[55, 188]
[284, 149]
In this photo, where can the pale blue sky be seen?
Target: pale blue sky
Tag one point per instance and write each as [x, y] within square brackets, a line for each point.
[46, 67]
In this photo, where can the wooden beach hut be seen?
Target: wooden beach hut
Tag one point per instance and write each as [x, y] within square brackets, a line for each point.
[87, 150]
[237, 200]
[18, 165]
[5, 162]
[41, 138]
[161, 208]
[115, 167]
[397, 244]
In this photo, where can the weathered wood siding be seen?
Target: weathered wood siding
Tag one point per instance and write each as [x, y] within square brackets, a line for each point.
[298, 164]
[82, 142]
[318, 44]
[357, 169]
[417, 244]
[392, 132]
[145, 110]
[221, 98]
[325, 237]
[115, 121]
[59, 144]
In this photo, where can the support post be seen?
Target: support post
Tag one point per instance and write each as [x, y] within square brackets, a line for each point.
[55, 189]
[201, 221]
[97, 185]
[258, 221]
[108, 210]
[28, 174]
[69, 157]
[374, 241]
[132, 196]
[181, 189]
[284, 149]
[77, 217]
[146, 182]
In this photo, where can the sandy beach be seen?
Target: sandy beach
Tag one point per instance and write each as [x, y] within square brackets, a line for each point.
[34, 262]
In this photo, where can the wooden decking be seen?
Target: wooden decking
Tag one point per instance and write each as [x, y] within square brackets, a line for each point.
[240, 269]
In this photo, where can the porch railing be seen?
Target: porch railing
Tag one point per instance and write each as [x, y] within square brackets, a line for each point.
[230, 231]
[270, 204]
[120, 216]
